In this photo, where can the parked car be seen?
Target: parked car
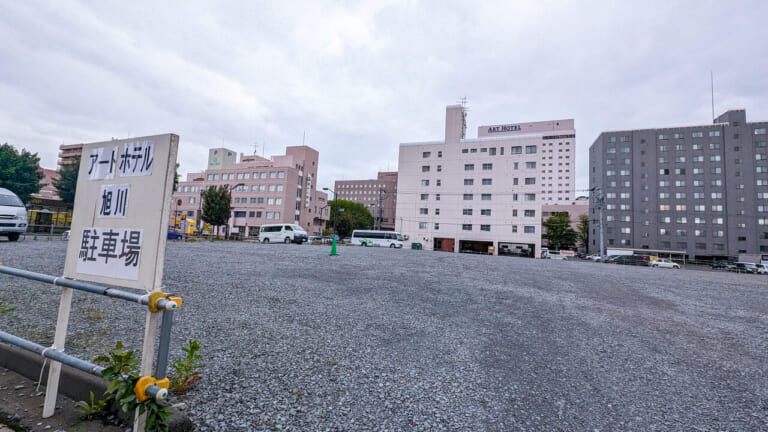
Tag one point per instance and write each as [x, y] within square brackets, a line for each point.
[664, 263]
[174, 234]
[741, 267]
[14, 215]
[638, 260]
[721, 265]
[282, 233]
[761, 268]
[556, 255]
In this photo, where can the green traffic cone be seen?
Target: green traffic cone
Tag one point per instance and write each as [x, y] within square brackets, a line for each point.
[333, 248]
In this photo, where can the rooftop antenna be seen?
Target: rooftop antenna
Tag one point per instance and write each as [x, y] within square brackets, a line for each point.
[255, 147]
[712, 83]
[303, 137]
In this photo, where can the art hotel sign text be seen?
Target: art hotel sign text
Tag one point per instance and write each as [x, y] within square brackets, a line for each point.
[504, 128]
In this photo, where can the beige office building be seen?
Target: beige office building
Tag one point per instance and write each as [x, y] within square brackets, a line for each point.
[481, 194]
[379, 195]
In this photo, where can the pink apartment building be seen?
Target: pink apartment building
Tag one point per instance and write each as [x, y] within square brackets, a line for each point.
[264, 191]
[479, 195]
[379, 195]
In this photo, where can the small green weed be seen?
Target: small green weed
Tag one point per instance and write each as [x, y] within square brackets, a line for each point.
[6, 309]
[187, 369]
[92, 410]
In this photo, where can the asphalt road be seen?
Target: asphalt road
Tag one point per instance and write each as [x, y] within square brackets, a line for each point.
[380, 339]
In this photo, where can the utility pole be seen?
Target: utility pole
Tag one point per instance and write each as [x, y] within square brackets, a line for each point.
[381, 206]
[600, 201]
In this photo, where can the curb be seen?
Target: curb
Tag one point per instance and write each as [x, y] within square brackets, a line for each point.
[76, 384]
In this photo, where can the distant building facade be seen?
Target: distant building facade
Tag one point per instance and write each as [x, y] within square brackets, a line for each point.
[379, 195]
[68, 153]
[264, 191]
[469, 195]
[702, 190]
[575, 209]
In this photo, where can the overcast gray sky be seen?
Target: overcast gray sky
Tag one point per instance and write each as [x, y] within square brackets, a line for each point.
[362, 77]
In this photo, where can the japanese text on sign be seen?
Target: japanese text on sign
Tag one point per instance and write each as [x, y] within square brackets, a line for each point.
[136, 158]
[113, 200]
[113, 252]
[101, 164]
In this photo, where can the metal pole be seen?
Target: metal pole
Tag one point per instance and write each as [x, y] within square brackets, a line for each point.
[602, 240]
[69, 360]
[51, 354]
[87, 287]
[165, 341]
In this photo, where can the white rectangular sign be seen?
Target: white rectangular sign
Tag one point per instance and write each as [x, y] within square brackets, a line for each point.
[137, 158]
[112, 252]
[121, 212]
[113, 200]
[101, 163]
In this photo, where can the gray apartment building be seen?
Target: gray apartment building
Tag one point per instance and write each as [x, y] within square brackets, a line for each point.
[698, 189]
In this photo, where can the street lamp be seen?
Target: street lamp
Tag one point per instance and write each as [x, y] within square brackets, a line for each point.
[336, 204]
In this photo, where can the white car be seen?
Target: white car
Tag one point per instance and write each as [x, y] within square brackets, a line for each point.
[664, 263]
[13, 215]
[761, 268]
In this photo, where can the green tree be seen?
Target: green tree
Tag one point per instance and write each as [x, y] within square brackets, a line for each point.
[582, 232]
[217, 205]
[559, 234]
[19, 172]
[66, 184]
[176, 177]
[355, 216]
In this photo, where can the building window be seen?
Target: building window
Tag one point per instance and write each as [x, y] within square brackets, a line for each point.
[424, 197]
[485, 197]
[485, 227]
[487, 166]
[515, 150]
[424, 211]
[529, 213]
[530, 149]
[425, 168]
[439, 168]
[466, 227]
[760, 131]
[469, 167]
[530, 180]
[422, 225]
[437, 196]
[492, 151]
[530, 197]
[468, 197]
[530, 164]
[469, 182]
[487, 182]
[437, 212]
[425, 182]
[485, 212]
[529, 229]
[466, 212]
[426, 154]
[440, 154]
[437, 225]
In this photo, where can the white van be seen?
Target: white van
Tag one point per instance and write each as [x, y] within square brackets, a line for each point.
[13, 215]
[282, 233]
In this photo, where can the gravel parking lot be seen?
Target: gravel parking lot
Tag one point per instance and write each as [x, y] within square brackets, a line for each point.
[380, 339]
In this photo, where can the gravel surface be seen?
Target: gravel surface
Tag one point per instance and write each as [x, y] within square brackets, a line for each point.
[380, 339]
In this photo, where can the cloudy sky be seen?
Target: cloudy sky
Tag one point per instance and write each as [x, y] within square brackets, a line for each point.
[360, 77]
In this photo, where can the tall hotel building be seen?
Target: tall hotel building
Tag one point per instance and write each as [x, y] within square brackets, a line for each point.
[379, 195]
[700, 190]
[468, 195]
[264, 191]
